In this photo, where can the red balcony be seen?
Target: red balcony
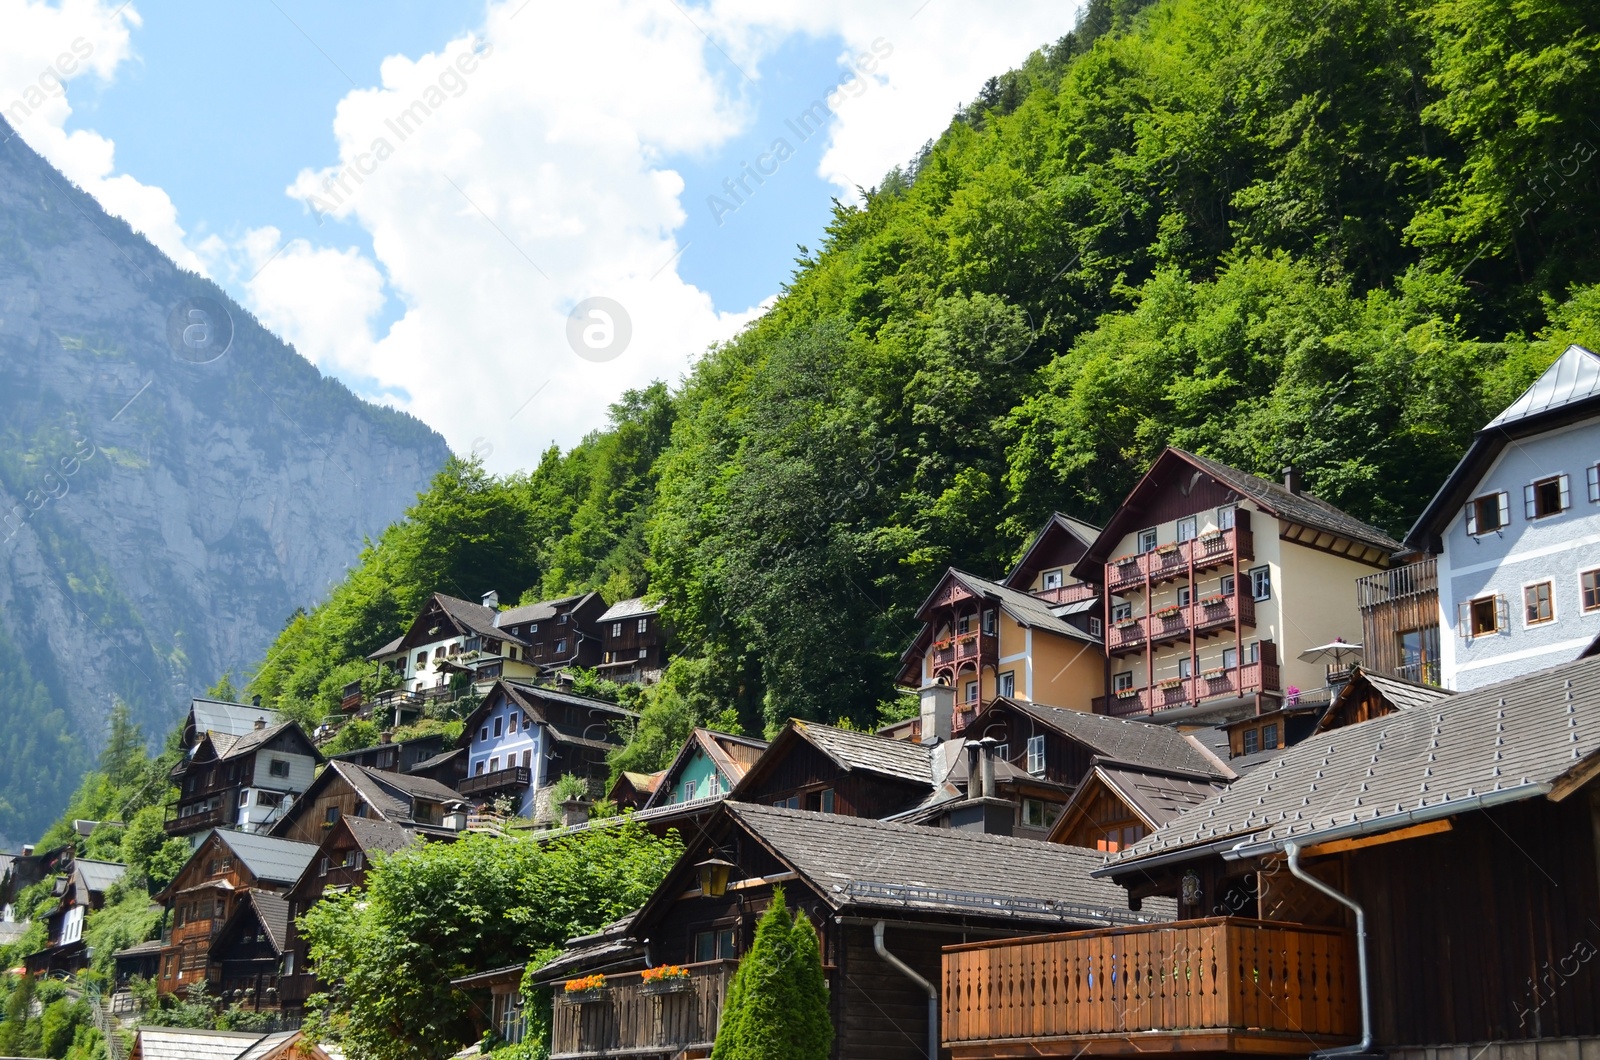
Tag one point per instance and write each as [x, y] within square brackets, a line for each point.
[1170, 562]
[1176, 692]
[1202, 617]
[965, 647]
[1067, 594]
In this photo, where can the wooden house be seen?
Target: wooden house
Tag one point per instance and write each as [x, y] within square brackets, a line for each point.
[870, 887]
[347, 790]
[1035, 635]
[340, 864]
[559, 633]
[810, 766]
[704, 772]
[79, 891]
[1215, 581]
[630, 791]
[634, 644]
[1115, 806]
[247, 954]
[1464, 831]
[448, 637]
[432, 756]
[224, 868]
[244, 765]
[523, 738]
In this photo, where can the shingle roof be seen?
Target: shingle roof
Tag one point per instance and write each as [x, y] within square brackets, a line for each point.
[273, 913]
[474, 617]
[1125, 740]
[860, 863]
[270, 859]
[267, 1045]
[538, 612]
[1026, 609]
[1160, 797]
[382, 836]
[1216, 740]
[634, 608]
[98, 876]
[141, 948]
[388, 649]
[875, 754]
[247, 743]
[1502, 742]
[232, 719]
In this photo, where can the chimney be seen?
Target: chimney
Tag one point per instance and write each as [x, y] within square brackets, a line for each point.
[386, 736]
[1291, 480]
[938, 704]
[261, 723]
[491, 599]
[255, 701]
[27, 851]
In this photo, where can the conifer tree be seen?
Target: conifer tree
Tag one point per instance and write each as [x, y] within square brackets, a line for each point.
[777, 1004]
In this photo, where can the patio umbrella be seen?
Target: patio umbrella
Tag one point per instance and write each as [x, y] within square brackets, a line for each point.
[1335, 650]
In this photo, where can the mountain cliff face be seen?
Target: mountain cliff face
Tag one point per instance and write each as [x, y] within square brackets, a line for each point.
[174, 482]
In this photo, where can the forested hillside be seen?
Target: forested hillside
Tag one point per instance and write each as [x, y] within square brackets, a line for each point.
[1336, 236]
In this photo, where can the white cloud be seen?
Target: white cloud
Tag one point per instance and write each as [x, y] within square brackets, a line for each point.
[47, 47]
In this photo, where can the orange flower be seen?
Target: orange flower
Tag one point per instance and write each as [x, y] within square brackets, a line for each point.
[665, 971]
[588, 982]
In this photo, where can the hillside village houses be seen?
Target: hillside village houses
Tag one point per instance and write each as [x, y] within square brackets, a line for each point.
[1175, 750]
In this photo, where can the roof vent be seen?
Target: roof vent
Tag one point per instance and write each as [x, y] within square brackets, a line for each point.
[491, 599]
[255, 701]
[261, 723]
[1291, 480]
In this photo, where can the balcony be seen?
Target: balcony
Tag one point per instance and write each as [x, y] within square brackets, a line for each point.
[1202, 617]
[1222, 985]
[1229, 683]
[1066, 594]
[629, 1018]
[517, 778]
[219, 816]
[965, 647]
[1170, 562]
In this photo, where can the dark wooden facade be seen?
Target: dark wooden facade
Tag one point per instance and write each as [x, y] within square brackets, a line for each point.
[1400, 621]
[634, 646]
[211, 778]
[569, 636]
[247, 955]
[798, 771]
[1100, 819]
[199, 901]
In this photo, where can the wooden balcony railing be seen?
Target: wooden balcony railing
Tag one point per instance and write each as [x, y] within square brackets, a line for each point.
[1262, 676]
[514, 779]
[630, 1018]
[1067, 594]
[1218, 985]
[1397, 583]
[216, 817]
[964, 647]
[1169, 562]
[1202, 617]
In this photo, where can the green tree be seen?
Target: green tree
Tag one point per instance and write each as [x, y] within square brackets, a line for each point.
[777, 1004]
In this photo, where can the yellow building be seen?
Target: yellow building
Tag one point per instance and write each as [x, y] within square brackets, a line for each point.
[1215, 581]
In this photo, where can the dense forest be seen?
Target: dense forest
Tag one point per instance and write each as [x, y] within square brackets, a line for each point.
[1337, 236]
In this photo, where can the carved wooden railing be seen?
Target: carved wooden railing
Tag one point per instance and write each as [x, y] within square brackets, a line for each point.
[1169, 561]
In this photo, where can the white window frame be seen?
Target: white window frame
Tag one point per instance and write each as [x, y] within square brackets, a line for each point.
[1229, 664]
[1149, 540]
[1051, 579]
[1227, 516]
[1256, 574]
[1225, 584]
[1007, 684]
[1096, 627]
[1592, 473]
[1188, 528]
[1121, 610]
[990, 622]
[1036, 754]
[1121, 682]
[972, 691]
[644, 625]
[1503, 506]
[616, 629]
[1185, 595]
[1185, 667]
[1530, 494]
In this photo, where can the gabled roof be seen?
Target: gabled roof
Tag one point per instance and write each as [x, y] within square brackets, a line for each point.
[732, 755]
[231, 719]
[268, 858]
[1060, 534]
[634, 608]
[1399, 693]
[857, 863]
[1568, 392]
[1139, 744]
[388, 649]
[98, 876]
[228, 747]
[1532, 736]
[173, 1043]
[850, 751]
[541, 611]
[390, 796]
[1026, 609]
[1175, 466]
[379, 836]
[271, 911]
[1155, 798]
[531, 698]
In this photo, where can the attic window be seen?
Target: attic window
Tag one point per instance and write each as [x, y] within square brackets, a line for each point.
[278, 767]
[616, 629]
[1052, 580]
[644, 625]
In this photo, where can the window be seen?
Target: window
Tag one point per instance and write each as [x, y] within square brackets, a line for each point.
[964, 624]
[1546, 497]
[527, 759]
[1252, 741]
[1225, 516]
[1483, 616]
[689, 788]
[1185, 594]
[561, 620]
[988, 621]
[1488, 513]
[1255, 651]
[1225, 585]
[1261, 583]
[1536, 603]
[644, 625]
[791, 803]
[269, 798]
[1117, 838]
[534, 628]
[1122, 682]
[1036, 754]
[715, 945]
[561, 645]
[616, 629]
[288, 960]
[972, 691]
[330, 815]
[1096, 627]
[499, 727]
[422, 659]
[244, 797]
[1002, 752]
[644, 653]
[483, 734]
[478, 770]
[1147, 540]
[827, 800]
[1185, 666]
[278, 767]
[1121, 611]
[1008, 683]
[360, 810]
[1230, 658]
[1052, 580]
[1594, 483]
[1269, 736]
[1591, 589]
[322, 869]
[511, 724]
[1188, 529]
[1036, 813]
[494, 764]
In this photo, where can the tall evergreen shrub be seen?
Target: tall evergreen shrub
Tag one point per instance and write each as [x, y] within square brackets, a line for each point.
[777, 1005]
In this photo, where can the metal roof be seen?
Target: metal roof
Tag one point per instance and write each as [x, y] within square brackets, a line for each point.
[1503, 742]
[172, 1043]
[231, 719]
[1125, 740]
[539, 612]
[1025, 608]
[635, 608]
[274, 860]
[98, 876]
[1575, 376]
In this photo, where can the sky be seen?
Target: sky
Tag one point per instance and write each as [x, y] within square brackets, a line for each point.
[497, 216]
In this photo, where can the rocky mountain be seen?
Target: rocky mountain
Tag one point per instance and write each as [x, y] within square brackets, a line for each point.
[174, 482]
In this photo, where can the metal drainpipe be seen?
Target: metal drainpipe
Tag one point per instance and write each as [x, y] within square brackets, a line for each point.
[905, 969]
[1365, 1044]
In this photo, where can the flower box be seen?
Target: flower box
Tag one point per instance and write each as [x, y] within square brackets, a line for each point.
[1123, 561]
[660, 987]
[1167, 684]
[583, 997]
[1127, 693]
[1124, 623]
[1214, 601]
[1216, 673]
[1170, 611]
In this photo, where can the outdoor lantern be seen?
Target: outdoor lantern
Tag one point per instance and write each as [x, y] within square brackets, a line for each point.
[714, 877]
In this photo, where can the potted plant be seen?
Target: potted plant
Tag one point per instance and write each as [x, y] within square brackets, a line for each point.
[1167, 684]
[1168, 613]
[1124, 623]
[1127, 693]
[1123, 561]
[666, 979]
[583, 990]
[1214, 673]
[1167, 550]
[1216, 600]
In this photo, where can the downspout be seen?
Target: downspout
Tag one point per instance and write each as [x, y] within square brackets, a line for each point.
[1365, 1044]
[905, 969]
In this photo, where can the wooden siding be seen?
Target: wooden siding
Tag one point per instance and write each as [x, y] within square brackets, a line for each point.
[1398, 601]
[196, 912]
[805, 770]
[1066, 761]
[307, 821]
[627, 1019]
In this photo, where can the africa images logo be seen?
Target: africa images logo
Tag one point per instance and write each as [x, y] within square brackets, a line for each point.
[199, 330]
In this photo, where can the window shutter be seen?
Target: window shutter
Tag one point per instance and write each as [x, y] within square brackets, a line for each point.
[1502, 614]
[1464, 620]
[1527, 502]
[1566, 494]
[1505, 508]
[1472, 517]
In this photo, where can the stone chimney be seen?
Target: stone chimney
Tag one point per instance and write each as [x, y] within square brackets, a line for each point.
[1291, 480]
[491, 599]
[938, 704]
[574, 812]
[386, 736]
[261, 723]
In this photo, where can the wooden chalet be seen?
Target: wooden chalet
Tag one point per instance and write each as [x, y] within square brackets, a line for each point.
[432, 756]
[1114, 806]
[248, 953]
[224, 868]
[244, 765]
[1042, 755]
[634, 642]
[1034, 635]
[630, 791]
[347, 790]
[1215, 580]
[1463, 828]
[870, 887]
[340, 864]
[839, 771]
[79, 891]
[708, 765]
[559, 633]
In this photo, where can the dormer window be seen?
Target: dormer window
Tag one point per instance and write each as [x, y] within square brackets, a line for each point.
[1051, 580]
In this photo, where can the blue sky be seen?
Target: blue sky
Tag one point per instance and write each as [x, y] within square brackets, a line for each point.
[562, 157]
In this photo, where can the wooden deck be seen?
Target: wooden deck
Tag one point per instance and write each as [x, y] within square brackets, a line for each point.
[1219, 986]
[625, 1020]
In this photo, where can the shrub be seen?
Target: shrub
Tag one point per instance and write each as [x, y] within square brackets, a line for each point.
[777, 1004]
